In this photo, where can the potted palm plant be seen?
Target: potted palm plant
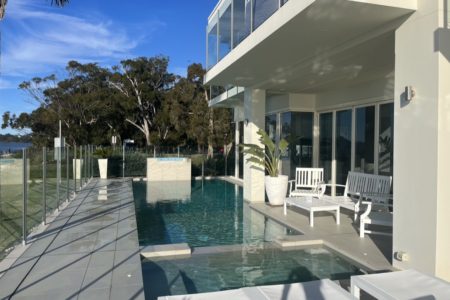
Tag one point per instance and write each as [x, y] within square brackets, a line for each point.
[268, 159]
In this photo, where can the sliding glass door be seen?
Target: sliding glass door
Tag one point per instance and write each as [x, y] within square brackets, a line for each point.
[386, 140]
[343, 145]
[358, 139]
[365, 139]
[326, 145]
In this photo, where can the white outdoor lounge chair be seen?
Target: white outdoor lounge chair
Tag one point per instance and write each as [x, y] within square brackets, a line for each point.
[409, 284]
[320, 289]
[378, 212]
[356, 185]
[308, 182]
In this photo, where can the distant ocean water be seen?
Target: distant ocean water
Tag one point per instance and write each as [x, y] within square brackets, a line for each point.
[12, 147]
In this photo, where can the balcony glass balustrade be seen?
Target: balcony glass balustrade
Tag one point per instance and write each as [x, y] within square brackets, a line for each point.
[232, 22]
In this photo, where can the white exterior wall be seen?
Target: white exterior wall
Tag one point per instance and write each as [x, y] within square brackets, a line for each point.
[422, 144]
[290, 102]
[369, 92]
[254, 112]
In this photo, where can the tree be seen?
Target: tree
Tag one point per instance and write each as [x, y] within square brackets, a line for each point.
[3, 3]
[144, 82]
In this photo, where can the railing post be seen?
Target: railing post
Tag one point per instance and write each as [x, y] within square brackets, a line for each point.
[25, 197]
[82, 164]
[58, 176]
[123, 161]
[74, 171]
[44, 185]
[67, 174]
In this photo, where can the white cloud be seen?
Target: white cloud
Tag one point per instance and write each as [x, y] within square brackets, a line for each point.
[38, 39]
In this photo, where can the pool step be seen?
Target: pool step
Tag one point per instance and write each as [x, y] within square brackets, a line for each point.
[288, 243]
[166, 250]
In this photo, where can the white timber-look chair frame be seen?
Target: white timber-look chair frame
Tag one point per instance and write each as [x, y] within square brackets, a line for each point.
[378, 212]
[308, 182]
[358, 184]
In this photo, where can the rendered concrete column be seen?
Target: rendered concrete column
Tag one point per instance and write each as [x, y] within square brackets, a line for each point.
[422, 142]
[254, 113]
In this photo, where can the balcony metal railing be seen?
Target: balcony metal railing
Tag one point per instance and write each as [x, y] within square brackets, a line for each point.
[232, 21]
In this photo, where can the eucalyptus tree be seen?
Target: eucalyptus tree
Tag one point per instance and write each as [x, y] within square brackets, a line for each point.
[145, 82]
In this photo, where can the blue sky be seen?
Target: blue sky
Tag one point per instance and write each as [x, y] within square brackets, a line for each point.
[38, 40]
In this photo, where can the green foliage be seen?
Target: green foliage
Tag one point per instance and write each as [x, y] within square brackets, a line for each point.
[138, 99]
[102, 152]
[267, 157]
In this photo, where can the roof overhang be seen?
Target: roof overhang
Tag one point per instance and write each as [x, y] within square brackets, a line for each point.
[311, 45]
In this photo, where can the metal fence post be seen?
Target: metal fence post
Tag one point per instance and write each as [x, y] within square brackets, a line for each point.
[86, 165]
[58, 176]
[25, 197]
[75, 168]
[82, 164]
[44, 185]
[67, 174]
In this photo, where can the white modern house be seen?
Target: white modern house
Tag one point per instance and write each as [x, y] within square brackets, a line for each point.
[354, 85]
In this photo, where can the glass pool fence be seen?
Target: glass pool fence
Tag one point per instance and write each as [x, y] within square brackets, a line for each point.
[36, 182]
[132, 161]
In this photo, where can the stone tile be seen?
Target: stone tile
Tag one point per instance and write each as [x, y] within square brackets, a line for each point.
[11, 279]
[95, 294]
[134, 292]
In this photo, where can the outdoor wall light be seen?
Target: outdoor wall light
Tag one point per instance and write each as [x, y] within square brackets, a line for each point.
[246, 122]
[410, 93]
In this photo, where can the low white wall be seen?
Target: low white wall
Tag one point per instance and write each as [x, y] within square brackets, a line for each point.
[168, 169]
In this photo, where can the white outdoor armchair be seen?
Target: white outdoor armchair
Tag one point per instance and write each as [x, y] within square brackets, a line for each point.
[308, 182]
[378, 212]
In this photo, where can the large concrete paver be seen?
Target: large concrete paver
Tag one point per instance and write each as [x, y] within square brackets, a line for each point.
[90, 251]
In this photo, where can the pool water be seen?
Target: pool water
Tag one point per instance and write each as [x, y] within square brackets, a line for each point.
[230, 241]
[200, 213]
[221, 271]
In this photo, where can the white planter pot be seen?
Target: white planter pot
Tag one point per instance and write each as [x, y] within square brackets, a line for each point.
[77, 167]
[103, 168]
[276, 189]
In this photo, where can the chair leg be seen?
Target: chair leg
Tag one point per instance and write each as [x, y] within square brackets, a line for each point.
[361, 228]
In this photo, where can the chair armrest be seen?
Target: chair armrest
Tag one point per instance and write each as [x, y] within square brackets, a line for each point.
[368, 210]
[291, 185]
[332, 184]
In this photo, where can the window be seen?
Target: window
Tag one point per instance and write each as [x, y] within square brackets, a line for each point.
[386, 139]
[365, 139]
[343, 145]
[271, 126]
[326, 144]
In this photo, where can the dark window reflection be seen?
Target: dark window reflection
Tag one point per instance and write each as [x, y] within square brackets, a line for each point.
[386, 139]
[365, 139]
[297, 129]
[326, 144]
[343, 145]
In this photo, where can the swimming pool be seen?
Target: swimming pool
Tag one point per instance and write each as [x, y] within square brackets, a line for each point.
[235, 269]
[208, 213]
[231, 242]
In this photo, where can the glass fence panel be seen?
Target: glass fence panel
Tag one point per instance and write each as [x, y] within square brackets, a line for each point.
[35, 213]
[51, 184]
[212, 47]
[63, 176]
[225, 33]
[11, 201]
[70, 171]
[262, 10]
[242, 18]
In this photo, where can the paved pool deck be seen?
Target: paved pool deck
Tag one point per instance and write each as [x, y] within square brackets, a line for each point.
[89, 251]
[373, 252]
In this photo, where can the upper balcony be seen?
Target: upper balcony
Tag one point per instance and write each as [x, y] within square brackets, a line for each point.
[267, 43]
